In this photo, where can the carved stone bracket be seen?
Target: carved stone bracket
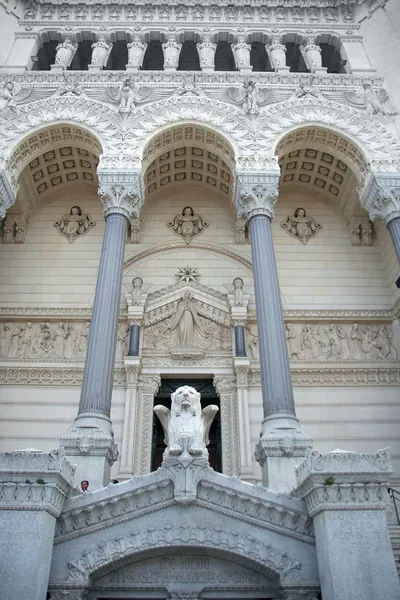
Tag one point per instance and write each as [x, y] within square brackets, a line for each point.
[257, 193]
[121, 191]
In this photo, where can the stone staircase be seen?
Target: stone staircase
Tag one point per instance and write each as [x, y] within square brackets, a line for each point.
[394, 530]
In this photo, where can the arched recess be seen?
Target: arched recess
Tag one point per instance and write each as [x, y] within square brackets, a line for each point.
[51, 160]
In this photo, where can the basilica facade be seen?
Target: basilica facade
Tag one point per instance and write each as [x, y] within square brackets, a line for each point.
[200, 197]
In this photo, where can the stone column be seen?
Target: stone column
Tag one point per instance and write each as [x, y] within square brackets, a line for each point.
[381, 198]
[206, 50]
[242, 386]
[90, 441]
[33, 487]
[134, 340]
[282, 441]
[238, 302]
[225, 386]
[241, 54]
[312, 56]
[172, 50]
[346, 495]
[148, 386]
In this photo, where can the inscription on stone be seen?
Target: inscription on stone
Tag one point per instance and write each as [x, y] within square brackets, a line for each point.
[357, 528]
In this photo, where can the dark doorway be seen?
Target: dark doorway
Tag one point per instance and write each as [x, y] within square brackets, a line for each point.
[208, 396]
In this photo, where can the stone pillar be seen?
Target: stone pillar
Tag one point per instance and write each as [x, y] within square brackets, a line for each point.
[148, 386]
[132, 366]
[277, 56]
[381, 198]
[238, 301]
[240, 340]
[33, 487]
[136, 52]
[312, 56]
[242, 386]
[134, 340]
[346, 495]
[206, 50]
[241, 54]
[172, 50]
[282, 442]
[225, 386]
[90, 441]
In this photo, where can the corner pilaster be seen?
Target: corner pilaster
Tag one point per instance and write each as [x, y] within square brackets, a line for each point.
[346, 495]
[33, 488]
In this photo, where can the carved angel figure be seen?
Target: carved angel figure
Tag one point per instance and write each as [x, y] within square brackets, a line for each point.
[100, 52]
[376, 103]
[238, 290]
[186, 426]
[65, 52]
[75, 224]
[187, 225]
[300, 226]
[8, 95]
[136, 51]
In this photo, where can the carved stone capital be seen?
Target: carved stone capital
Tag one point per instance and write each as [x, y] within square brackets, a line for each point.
[121, 192]
[34, 480]
[343, 480]
[7, 194]
[381, 197]
[257, 193]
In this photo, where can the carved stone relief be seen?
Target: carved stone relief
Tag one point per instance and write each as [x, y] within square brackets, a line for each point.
[188, 224]
[332, 342]
[360, 231]
[75, 224]
[300, 226]
[187, 329]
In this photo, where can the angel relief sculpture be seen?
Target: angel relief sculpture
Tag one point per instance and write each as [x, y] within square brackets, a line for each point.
[128, 95]
[188, 224]
[75, 224]
[250, 96]
[300, 226]
[376, 102]
[12, 94]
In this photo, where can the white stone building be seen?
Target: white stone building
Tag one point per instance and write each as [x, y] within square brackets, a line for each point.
[198, 152]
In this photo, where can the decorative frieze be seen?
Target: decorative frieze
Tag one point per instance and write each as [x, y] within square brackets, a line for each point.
[337, 377]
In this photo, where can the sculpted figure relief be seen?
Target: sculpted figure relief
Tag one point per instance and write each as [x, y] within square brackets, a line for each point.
[75, 224]
[136, 51]
[185, 328]
[187, 225]
[300, 226]
[100, 52]
[64, 53]
[186, 426]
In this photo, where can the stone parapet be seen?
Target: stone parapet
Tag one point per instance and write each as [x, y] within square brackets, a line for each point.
[34, 480]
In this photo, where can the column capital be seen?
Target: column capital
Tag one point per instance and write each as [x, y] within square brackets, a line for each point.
[7, 193]
[344, 480]
[381, 197]
[121, 192]
[257, 193]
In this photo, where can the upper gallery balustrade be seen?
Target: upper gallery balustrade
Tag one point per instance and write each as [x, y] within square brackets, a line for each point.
[191, 51]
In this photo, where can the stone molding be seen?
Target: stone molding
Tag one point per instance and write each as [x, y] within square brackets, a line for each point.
[81, 569]
[56, 376]
[34, 480]
[343, 480]
[257, 193]
[7, 193]
[381, 197]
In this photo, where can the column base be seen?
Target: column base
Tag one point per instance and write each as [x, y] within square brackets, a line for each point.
[282, 446]
[89, 444]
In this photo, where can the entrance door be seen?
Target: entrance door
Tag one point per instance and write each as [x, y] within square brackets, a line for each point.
[208, 396]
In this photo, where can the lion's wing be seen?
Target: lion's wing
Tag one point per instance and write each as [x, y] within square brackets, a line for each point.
[164, 414]
[208, 413]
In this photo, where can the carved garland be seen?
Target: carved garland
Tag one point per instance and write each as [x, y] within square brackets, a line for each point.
[98, 559]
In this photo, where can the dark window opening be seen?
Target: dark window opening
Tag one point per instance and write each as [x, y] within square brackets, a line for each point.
[118, 58]
[224, 60]
[154, 57]
[331, 59]
[189, 57]
[259, 58]
[46, 56]
[208, 396]
[294, 58]
[82, 57]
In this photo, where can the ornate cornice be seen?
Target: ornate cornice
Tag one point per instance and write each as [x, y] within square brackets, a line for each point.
[337, 377]
[51, 376]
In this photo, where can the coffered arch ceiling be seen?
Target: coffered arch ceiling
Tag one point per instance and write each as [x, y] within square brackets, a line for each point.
[190, 154]
[325, 163]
